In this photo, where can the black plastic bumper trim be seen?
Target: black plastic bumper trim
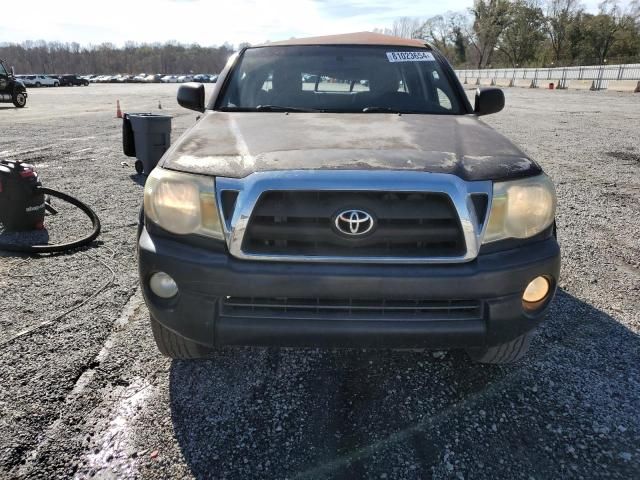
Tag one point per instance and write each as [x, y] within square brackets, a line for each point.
[497, 280]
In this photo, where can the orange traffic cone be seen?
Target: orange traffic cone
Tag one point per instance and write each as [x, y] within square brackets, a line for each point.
[118, 111]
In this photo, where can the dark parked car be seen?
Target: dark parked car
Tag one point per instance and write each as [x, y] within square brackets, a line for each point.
[343, 213]
[72, 80]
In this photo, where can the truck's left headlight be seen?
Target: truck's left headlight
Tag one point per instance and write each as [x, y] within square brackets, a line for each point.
[521, 208]
[182, 203]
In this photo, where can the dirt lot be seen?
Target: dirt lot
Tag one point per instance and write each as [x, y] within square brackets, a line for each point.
[84, 392]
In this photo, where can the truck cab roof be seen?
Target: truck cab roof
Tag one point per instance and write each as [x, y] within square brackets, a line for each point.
[357, 38]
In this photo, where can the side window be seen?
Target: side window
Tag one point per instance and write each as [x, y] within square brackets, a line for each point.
[361, 86]
[443, 94]
[339, 85]
[267, 85]
[3, 72]
[330, 84]
[309, 81]
[443, 99]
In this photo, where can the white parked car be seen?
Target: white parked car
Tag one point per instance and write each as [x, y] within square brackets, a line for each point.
[169, 79]
[185, 78]
[40, 81]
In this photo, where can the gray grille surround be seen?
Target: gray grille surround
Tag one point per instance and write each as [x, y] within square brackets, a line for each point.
[248, 190]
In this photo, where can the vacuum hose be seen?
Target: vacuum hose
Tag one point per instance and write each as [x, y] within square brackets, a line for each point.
[60, 247]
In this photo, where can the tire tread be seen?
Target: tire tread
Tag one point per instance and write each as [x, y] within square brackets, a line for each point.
[175, 346]
[508, 352]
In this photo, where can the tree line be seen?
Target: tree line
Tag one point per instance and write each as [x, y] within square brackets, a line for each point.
[491, 34]
[168, 58]
[525, 33]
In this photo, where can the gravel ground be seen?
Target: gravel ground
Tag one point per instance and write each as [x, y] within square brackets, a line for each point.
[84, 392]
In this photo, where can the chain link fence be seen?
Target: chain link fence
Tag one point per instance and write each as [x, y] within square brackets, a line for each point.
[601, 75]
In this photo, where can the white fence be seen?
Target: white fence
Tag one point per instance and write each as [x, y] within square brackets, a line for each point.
[600, 74]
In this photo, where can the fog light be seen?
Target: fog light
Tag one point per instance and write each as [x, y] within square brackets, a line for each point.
[163, 285]
[537, 290]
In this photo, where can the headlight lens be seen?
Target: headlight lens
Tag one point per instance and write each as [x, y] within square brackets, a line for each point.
[521, 208]
[182, 203]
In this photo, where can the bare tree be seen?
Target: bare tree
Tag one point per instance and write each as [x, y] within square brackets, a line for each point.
[560, 15]
[601, 30]
[406, 27]
[522, 37]
[518, 32]
[446, 33]
[490, 19]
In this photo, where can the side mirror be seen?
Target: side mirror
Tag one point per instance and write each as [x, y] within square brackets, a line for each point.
[13, 72]
[489, 100]
[191, 96]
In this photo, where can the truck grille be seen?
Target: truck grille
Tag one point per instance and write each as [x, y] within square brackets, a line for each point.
[350, 309]
[408, 224]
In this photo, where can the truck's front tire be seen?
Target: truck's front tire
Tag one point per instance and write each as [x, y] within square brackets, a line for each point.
[19, 99]
[508, 352]
[175, 346]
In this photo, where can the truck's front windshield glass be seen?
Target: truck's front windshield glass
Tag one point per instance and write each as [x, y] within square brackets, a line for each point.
[370, 79]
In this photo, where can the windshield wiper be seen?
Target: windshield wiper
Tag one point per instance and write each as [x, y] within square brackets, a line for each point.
[278, 108]
[388, 110]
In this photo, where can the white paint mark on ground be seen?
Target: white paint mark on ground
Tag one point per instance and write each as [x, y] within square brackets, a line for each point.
[53, 431]
[116, 444]
[51, 146]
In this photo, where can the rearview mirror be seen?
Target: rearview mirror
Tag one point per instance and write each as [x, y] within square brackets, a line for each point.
[191, 96]
[489, 100]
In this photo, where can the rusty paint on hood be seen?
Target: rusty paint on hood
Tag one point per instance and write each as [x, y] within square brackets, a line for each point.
[236, 144]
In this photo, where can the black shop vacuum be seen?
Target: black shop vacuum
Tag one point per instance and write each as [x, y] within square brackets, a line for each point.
[23, 204]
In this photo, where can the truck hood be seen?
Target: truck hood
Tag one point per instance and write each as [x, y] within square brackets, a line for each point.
[236, 144]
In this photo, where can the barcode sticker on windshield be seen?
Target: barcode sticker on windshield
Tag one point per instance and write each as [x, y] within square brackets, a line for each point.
[410, 57]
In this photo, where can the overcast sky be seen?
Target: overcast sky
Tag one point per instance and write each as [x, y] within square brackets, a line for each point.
[207, 22]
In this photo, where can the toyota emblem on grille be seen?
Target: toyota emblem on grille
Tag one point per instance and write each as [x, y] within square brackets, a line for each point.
[354, 222]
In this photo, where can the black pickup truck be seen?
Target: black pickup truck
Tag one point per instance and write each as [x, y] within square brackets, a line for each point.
[342, 191]
[11, 89]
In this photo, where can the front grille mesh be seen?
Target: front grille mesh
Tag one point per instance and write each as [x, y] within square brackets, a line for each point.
[409, 224]
[350, 309]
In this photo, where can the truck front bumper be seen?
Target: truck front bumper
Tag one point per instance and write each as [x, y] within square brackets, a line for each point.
[206, 279]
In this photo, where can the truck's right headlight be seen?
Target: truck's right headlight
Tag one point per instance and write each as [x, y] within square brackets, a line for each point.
[182, 203]
[521, 208]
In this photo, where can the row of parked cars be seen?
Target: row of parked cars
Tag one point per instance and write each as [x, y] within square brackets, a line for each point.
[52, 80]
[85, 80]
[153, 78]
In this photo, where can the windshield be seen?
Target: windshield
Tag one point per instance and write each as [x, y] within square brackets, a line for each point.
[370, 79]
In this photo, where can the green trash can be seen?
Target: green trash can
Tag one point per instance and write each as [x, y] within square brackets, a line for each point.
[151, 137]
